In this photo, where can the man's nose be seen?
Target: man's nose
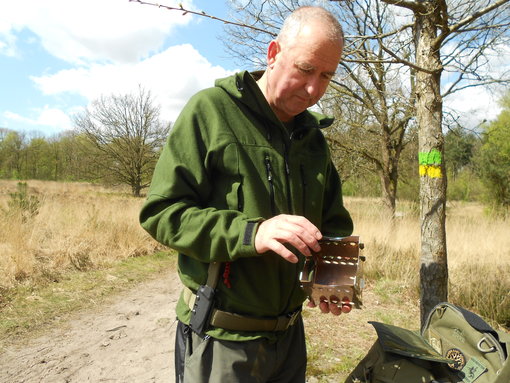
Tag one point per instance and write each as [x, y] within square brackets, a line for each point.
[314, 88]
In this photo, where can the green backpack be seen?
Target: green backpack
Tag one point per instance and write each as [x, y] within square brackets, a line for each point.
[454, 346]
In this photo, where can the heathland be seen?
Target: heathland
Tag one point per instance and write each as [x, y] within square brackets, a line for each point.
[64, 245]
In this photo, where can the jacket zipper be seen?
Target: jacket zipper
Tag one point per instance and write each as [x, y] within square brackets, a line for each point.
[287, 178]
[269, 171]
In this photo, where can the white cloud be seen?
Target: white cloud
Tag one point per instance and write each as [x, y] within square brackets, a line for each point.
[474, 105]
[111, 47]
[94, 30]
[172, 76]
[478, 103]
[47, 117]
[8, 45]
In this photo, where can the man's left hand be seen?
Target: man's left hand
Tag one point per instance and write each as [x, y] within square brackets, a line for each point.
[332, 308]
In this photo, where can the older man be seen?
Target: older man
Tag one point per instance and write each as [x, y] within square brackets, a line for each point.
[243, 190]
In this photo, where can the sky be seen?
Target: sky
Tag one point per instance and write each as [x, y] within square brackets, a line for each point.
[57, 56]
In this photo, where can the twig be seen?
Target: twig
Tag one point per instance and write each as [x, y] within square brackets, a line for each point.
[203, 14]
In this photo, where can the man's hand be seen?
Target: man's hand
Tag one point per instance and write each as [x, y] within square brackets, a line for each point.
[292, 229]
[332, 308]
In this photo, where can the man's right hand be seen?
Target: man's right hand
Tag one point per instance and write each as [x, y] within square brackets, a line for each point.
[295, 230]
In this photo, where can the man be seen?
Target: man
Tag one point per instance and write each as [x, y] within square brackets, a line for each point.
[246, 183]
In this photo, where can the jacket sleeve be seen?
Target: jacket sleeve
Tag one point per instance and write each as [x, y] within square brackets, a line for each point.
[177, 212]
[336, 219]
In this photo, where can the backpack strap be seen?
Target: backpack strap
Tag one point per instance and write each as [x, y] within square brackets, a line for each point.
[471, 318]
[476, 322]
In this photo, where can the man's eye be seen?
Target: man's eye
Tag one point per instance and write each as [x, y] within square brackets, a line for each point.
[306, 70]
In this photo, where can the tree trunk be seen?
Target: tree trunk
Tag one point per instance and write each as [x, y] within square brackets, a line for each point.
[387, 174]
[434, 267]
[389, 191]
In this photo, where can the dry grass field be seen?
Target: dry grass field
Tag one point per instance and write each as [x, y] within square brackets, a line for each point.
[478, 253]
[83, 228]
[79, 226]
[76, 226]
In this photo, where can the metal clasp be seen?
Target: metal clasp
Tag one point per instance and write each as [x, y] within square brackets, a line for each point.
[293, 317]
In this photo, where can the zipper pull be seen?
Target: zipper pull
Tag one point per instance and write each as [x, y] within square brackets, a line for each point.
[268, 168]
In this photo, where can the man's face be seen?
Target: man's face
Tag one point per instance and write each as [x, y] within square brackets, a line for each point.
[299, 71]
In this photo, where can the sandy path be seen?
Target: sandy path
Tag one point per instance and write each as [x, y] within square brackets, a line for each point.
[129, 339]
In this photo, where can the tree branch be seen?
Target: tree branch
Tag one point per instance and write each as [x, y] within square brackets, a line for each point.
[412, 5]
[203, 14]
[468, 20]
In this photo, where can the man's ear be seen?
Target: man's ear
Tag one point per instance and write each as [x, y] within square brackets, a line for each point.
[272, 50]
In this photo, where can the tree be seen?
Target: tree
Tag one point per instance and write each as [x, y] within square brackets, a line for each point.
[70, 165]
[37, 159]
[122, 138]
[13, 148]
[459, 149]
[494, 157]
[374, 100]
[472, 29]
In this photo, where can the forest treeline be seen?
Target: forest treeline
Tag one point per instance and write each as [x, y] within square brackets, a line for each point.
[477, 162]
[115, 141]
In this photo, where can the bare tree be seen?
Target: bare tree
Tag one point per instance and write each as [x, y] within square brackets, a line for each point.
[371, 97]
[470, 29]
[123, 136]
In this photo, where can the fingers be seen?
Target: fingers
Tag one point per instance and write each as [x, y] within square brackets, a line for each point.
[297, 231]
[331, 307]
[280, 249]
[326, 307]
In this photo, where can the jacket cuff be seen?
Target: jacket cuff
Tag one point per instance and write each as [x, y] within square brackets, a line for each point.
[250, 231]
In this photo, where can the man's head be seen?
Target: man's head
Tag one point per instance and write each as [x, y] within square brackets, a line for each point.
[301, 61]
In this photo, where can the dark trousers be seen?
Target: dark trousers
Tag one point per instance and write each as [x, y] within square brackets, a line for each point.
[204, 359]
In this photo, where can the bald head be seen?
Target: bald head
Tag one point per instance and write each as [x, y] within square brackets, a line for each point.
[301, 61]
[305, 16]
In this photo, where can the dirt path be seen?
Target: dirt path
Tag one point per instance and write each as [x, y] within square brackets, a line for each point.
[126, 340]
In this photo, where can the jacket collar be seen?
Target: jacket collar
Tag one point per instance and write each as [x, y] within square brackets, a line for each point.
[243, 86]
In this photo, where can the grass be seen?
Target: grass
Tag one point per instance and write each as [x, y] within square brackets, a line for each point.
[478, 253]
[77, 227]
[479, 268]
[83, 242]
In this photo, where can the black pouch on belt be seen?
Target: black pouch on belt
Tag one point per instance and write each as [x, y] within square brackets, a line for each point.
[201, 312]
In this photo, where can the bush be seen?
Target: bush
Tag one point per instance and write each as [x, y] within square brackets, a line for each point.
[466, 186]
[23, 204]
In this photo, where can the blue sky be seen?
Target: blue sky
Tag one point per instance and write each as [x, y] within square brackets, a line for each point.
[56, 56]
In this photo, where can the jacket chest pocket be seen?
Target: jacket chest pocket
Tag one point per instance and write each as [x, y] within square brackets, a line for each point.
[235, 199]
[226, 179]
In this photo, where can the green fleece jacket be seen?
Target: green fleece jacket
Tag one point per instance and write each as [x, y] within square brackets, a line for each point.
[228, 164]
